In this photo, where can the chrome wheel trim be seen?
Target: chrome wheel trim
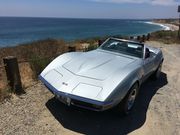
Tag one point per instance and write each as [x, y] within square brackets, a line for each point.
[131, 99]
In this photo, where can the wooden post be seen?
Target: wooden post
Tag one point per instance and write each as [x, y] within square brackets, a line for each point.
[179, 27]
[148, 36]
[13, 75]
[143, 38]
[72, 49]
[131, 37]
[100, 42]
[138, 38]
[179, 22]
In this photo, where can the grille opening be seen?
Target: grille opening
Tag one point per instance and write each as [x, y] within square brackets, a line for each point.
[86, 105]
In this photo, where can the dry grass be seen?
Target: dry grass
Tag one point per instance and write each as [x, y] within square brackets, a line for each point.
[38, 64]
[26, 73]
[167, 37]
[4, 94]
[36, 54]
[41, 48]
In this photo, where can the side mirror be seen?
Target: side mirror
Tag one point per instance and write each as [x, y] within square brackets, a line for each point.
[147, 53]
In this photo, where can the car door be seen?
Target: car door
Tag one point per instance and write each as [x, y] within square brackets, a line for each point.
[148, 64]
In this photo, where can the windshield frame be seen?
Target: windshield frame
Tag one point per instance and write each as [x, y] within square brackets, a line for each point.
[125, 41]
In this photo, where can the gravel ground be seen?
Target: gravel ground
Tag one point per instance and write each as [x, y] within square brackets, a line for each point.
[157, 111]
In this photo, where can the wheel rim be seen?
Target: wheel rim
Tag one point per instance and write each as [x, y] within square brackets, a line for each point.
[131, 99]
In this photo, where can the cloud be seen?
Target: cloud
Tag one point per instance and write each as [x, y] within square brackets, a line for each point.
[152, 2]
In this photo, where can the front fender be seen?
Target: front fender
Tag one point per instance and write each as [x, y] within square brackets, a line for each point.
[124, 86]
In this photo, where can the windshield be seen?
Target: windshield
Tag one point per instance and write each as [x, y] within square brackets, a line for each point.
[124, 47]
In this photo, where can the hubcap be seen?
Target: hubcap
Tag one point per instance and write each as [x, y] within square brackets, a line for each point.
[131, 99]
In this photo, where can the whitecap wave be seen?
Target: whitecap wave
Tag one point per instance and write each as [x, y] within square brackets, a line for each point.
[159, 24]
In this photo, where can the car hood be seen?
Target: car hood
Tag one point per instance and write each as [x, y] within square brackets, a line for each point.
[97, 64]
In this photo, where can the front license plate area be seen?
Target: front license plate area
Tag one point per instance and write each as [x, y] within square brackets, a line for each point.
[65, 100]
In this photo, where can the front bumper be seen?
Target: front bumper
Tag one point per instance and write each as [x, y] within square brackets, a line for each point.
[82, 102]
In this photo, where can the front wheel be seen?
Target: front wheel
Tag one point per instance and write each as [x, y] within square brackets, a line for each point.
[157, 73]
[128, 102]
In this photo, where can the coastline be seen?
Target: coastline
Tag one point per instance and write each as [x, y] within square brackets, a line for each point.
[13, 33]
[165, 26]
[172, 27]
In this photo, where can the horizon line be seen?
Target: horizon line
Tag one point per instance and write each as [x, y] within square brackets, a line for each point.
[54, 17]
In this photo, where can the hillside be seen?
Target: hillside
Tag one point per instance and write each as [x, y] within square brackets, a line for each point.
[156, 112]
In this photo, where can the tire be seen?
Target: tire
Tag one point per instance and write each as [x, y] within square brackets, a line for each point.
[128, 102]
[157, 73]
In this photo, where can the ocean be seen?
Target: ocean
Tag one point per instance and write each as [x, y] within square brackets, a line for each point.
[18, 30]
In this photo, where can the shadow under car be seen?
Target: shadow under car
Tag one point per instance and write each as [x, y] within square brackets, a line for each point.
[107, 122]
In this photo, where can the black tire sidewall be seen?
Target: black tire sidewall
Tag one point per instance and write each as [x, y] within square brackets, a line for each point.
[123, 106]
[154, 76]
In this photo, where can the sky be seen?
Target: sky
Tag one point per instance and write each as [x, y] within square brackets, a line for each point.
[115, 9]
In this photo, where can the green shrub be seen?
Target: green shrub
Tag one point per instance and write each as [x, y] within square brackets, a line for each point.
[38, 64]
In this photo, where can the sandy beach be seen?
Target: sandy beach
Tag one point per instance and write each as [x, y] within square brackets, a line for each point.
[171, 27]
[165, 25]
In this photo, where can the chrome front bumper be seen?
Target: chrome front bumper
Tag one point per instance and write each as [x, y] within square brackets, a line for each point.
[82, 102]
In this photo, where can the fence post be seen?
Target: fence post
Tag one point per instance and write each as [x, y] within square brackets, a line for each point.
[100, 42]
[71, 49]
[143, 38]
[13, 75]
[138, 38]
[131, 37]
[148, 36]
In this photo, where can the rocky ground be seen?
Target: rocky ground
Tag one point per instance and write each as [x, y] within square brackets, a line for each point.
[157, 111]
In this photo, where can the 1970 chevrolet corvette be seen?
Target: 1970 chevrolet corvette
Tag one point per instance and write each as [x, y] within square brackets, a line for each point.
[103, 78]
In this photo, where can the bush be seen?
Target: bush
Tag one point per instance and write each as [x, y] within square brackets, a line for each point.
[38, 64]
[91, 47]
[167, 37]
[42, 48]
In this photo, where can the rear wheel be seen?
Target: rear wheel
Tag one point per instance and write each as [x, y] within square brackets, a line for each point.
[128, 102]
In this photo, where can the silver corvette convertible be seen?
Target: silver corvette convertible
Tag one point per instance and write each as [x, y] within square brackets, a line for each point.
[103, 78]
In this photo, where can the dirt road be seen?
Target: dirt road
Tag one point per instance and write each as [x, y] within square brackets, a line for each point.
[157, 111]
